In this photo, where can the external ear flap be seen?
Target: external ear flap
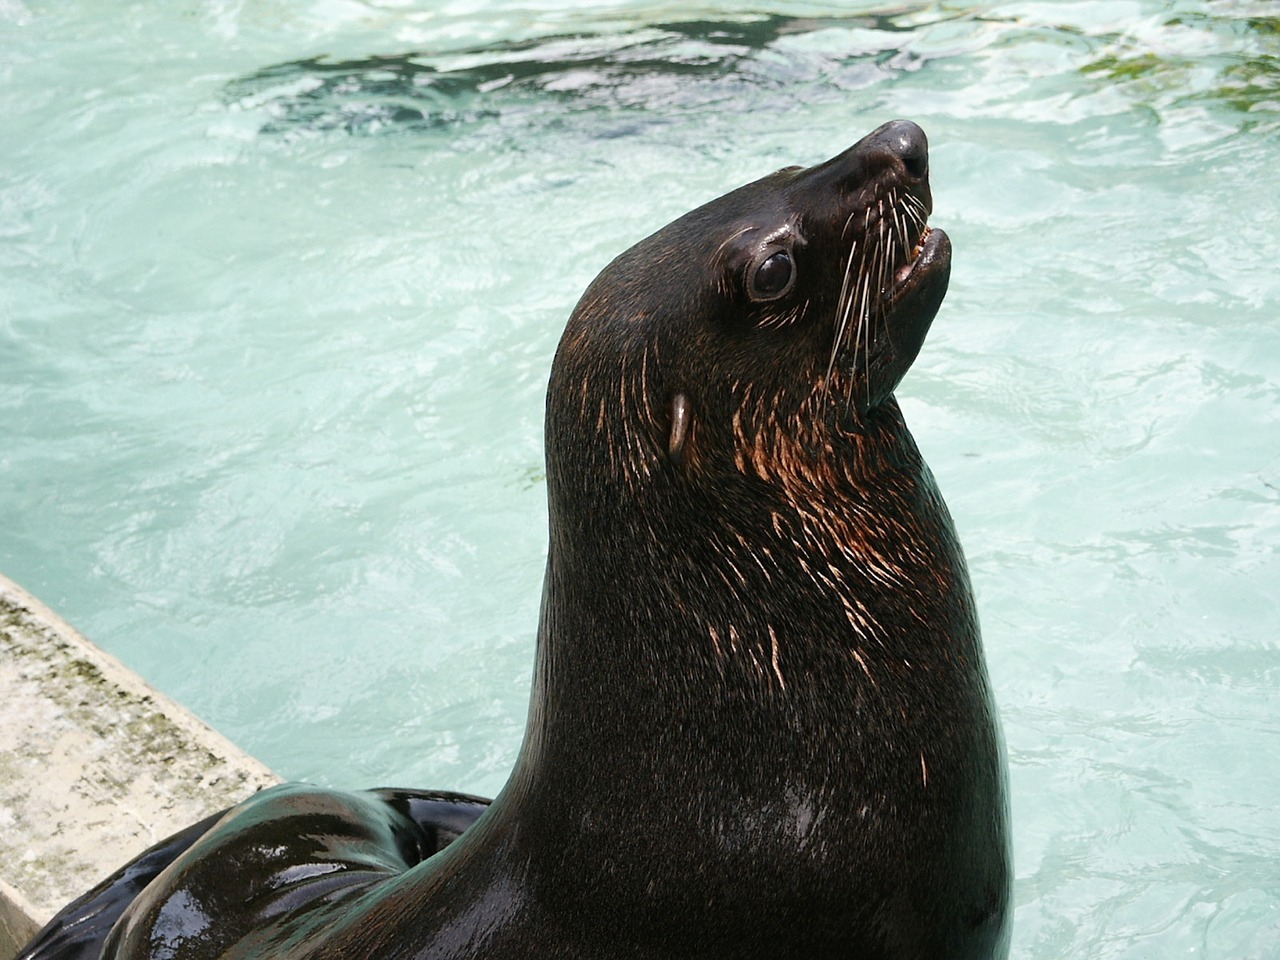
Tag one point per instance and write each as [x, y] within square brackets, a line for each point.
[680, 419]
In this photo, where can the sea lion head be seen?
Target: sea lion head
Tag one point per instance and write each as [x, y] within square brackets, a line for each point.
[794, 303]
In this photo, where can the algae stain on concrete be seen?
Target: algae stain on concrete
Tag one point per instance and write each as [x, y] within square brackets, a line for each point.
[95, 766]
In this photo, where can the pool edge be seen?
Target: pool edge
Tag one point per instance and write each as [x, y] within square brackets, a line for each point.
[97, 766]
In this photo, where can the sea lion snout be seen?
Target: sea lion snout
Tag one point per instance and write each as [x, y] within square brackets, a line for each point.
[900, 143]
[895, 155]
[898, 149]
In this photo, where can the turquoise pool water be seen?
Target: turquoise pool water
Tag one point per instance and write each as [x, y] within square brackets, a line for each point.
[280, 285]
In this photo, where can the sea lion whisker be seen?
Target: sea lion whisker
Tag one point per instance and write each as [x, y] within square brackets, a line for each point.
[891, 214]
[883, 266]
[844, 231]
[858, 307]
[915, 203]
[915, 210]
[903, 237]
[865, 323]
[843, 306]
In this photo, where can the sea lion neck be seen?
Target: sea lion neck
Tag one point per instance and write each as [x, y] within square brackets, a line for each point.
[726, 645]
[752, 594]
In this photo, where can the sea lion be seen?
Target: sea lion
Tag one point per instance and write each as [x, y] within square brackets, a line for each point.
[761, 724]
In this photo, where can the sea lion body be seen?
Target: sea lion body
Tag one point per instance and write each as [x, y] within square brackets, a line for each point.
[760, 724]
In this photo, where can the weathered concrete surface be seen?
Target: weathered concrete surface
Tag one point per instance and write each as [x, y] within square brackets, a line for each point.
[95, 766]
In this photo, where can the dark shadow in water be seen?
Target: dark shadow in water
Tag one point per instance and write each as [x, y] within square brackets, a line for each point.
[713, 61]
[642, 77]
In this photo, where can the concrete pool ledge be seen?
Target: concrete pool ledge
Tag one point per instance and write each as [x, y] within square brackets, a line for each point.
[95, 766]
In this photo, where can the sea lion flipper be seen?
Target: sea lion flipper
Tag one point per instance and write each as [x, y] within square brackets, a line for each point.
[368, 836]
[441, 816]
[78, 930]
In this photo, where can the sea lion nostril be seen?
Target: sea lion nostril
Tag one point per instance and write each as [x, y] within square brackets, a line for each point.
[898, 145]
[909, 143]
[917, 162]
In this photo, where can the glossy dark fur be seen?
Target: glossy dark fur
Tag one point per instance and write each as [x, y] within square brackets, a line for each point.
[414, 823]
[760, 724]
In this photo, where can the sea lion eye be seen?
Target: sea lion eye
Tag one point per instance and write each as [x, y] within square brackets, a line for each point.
[772, 277]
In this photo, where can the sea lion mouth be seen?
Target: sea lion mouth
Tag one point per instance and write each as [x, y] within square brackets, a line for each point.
[904, 271]
[894, 276]
[925, 256]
